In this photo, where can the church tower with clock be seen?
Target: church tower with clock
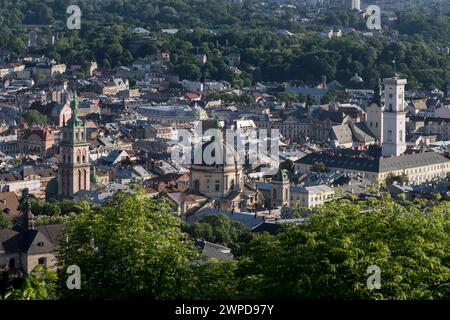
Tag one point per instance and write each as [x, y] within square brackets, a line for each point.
[394, 117]
[74, 166]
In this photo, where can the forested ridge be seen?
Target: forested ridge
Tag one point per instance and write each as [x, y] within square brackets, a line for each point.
[265, 55]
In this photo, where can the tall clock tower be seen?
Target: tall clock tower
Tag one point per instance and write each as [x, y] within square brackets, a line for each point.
[74, 167]
[394, 117]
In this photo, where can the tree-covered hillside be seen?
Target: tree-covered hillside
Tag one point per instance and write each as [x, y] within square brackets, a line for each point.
[218, 28]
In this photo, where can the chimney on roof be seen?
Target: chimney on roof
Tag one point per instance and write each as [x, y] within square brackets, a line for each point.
[28, 220]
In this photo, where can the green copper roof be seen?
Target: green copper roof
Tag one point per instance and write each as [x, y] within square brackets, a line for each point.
[74, 120]
[94, 178]
[378, 94]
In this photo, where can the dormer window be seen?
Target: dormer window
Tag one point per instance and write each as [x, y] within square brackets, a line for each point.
[40, 244]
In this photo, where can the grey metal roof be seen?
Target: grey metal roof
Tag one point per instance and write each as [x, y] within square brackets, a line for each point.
[411, 161]
[212, 250]
[377, 165]
[29, 241]
[343, 133]
[248, 219]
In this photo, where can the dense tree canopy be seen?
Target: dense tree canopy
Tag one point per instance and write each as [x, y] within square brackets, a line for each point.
[221, 230]
[32, 118]
[130, 247]
[218, 28]
[133, 247]
[328, 256]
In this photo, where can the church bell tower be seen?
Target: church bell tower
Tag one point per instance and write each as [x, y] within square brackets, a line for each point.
[394, 117]
[74, 166]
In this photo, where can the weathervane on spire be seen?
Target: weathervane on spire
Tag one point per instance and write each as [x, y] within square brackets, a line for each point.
[395, 68]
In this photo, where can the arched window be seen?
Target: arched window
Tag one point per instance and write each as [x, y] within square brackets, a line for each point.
[79, 179]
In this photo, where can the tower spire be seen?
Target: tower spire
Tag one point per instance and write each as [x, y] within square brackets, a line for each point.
[378, 94]
[396, 75]
[74, 120]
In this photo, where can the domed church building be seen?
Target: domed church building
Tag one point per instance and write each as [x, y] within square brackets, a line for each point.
[219, 173]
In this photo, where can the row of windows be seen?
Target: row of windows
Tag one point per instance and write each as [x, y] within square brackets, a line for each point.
[13, 265]
[68, 159]
[79, 136]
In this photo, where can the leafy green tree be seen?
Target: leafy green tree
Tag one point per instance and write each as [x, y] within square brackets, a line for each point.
[319, 167]
[391, 178]
[329, 97]
[287, 165]
[5, 221]
[261, 200]
[131, 247]
[327, 257]
[38, 285]
[216, 281]
[221, 230]
[32, 117]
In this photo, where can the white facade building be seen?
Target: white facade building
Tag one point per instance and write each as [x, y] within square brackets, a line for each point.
[394, 117]
[311, 196]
